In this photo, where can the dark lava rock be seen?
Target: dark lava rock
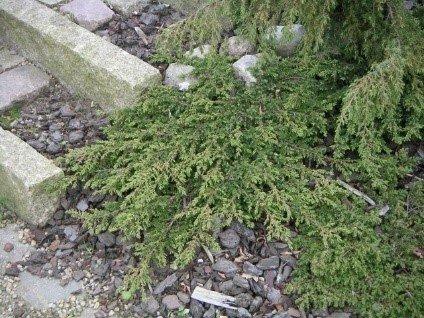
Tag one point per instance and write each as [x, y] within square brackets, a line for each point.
[286, 273]
[171, 302]
[12, 270]
[38, 257]
[18, 311]
[289, 260]
[152, 305]
[54, 148]
[196, 309]
[56, 136]
[281, 315]
[67, 111]
[243, 313]
[225, 266]
[243, 231]
[229, 238]
[257, 287]
[75, 124]
[269, 276]
[149, 19]
[107, 239]
[100, 270]
[210, 313]
[238, 313]
[269, 263]
[183, 297]
[274, 296]
[167, 282]
[76, 136]
[37, 145]
[251, 269]
[240, 281]
[228, 288]
[243, 300]
[8, 247]
[78, 275]
[55, 127]
[257, 302]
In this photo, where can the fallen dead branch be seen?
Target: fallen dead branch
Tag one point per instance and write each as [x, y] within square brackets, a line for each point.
[382, 210]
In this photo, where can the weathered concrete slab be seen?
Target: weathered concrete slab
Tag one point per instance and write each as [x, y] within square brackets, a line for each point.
[9, 59]
[89, 14]
[40, 292]
[85, 63]
[10, 234]
[21, 83]
[24, 175]
[126, 6]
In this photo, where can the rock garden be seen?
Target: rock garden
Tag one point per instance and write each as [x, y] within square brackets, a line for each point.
[211, 159]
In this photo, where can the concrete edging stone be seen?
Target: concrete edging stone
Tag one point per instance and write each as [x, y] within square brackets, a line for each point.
[24, 177]
[90, 66]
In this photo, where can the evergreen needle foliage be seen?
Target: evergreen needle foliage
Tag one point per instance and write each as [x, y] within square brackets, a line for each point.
[184, 164]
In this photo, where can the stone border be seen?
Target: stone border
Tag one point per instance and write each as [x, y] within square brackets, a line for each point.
[24, 175]
[90, 66]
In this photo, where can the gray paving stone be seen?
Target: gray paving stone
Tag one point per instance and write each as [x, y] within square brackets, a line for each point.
[40, 292]
[89, 14]
[24, 175]
[10, 234]
[88, 65]
[126, 6]
[9, 59]
[21, 83]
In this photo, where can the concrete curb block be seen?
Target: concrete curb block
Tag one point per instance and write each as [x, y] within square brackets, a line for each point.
[24, 175]
[90, 66]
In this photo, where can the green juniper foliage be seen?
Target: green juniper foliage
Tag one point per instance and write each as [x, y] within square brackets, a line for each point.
[349, 106]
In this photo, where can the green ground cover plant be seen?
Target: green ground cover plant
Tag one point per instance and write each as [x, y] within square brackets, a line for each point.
[349, 106]
[10, 116]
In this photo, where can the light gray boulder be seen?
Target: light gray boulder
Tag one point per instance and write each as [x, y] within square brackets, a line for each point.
[243, 68]
[238, 46]
[179, 76]
[286, 39]
[200, 52]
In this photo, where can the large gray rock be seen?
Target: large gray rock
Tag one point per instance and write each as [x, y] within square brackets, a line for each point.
[24, 175]
[243, 68]
[21, 83]
[179, 76]
[238, 46]
[89, 14]
[286, 39]
[9, 59]
[88, 65]
[126, 6]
